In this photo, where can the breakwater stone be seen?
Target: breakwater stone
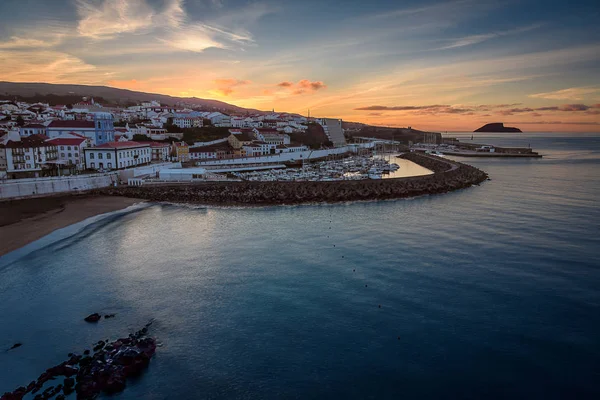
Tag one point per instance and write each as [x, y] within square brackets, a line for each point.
[448, 176]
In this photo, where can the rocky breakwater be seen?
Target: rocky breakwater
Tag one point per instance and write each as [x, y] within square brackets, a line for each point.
[87, 375]
[448, 176]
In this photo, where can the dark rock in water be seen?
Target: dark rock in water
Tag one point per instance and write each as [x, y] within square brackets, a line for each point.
[107, 370]
[497, 127]
[14, 346]
[86, 352]
[107, 316]
[95, 317]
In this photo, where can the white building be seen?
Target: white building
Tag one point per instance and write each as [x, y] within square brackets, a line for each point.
[70, 151]
[117, 155]
[29, 156]
[188, 122]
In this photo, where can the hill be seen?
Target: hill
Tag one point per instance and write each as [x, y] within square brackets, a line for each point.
[497, 127]
[109, 94]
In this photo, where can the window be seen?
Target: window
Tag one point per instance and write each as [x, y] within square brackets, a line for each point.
[62, 155]
[108, 156]
[100, 156]
[109, 165]
[28, 165]
[91, 156]
[101, 165]
[93, 165]
[68, 147]
[62, 147]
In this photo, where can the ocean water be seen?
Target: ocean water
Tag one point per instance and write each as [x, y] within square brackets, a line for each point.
[489, 292]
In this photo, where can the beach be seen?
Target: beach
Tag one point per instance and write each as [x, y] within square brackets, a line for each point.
[25, 221]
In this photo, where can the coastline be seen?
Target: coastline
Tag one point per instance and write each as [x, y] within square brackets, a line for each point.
[25, 221]
[448, 176]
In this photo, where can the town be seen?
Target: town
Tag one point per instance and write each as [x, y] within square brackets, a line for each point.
[38, 140]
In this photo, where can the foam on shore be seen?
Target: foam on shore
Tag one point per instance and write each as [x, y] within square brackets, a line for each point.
[67, 232]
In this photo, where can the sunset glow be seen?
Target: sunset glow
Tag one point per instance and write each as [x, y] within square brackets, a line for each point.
[445, 65]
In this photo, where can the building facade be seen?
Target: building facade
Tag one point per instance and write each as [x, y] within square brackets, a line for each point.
[31, 157]
[99, 130]
[70, 151]
[160, 151]
[117, 155]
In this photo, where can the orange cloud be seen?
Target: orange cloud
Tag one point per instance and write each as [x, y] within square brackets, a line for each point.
[316, 85]
[225, 85]
[285, 84]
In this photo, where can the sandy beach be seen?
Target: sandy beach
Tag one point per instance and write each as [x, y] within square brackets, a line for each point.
[24, 221]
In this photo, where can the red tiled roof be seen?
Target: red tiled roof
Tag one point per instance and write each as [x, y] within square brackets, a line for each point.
[34, 126]
[66, 141]
[116, 145]
[71, 124]
[29, 142]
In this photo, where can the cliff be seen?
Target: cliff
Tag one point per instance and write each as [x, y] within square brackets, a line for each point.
[448, 176]
[497, 127]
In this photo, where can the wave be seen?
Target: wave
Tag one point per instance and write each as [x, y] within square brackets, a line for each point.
[89, 224]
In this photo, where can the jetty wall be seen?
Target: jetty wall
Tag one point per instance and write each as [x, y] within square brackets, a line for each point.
[34, 187]
[448, 176]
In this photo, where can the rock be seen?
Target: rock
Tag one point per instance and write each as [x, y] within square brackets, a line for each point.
[497, 127]
[107, 316]
[95, 317]
[16, 345]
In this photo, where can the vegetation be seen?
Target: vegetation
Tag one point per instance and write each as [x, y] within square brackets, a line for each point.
[314, 137]
[204, 134]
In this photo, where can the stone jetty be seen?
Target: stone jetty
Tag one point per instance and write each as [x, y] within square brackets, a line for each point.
[88, 375]
[448, 176]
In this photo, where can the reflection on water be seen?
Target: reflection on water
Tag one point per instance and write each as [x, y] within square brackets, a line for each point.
[407, 168]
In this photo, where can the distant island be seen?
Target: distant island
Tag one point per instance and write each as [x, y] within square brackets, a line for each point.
[497, 127]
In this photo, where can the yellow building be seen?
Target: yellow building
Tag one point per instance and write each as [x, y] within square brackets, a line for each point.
[180, 151]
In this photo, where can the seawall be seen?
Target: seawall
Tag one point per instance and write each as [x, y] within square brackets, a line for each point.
[448, 176]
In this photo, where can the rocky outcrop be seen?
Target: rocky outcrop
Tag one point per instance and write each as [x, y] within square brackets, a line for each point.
[107, 370]
[497, 127]
[448, 176]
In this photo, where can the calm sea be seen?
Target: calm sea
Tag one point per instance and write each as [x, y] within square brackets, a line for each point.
[488, 292]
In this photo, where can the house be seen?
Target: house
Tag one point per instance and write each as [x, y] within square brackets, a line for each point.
[32, 129]
[99, 130]
[160, 151]
[180, 151]
[188, 122]
[117, 155]
[237, 141]
[271, 136]
[258, 148]
[217, 151]
[30, 157]
[70, 151]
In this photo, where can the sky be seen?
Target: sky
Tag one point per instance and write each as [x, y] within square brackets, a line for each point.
[439, 65]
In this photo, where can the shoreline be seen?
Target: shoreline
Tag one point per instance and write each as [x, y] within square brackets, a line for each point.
[25, 221]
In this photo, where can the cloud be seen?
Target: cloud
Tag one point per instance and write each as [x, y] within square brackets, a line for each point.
[565, 107]
[474, 39]
[398, 108]
[499, 109]
[316, 85]
[303, 86]
[112, 17]
[576, 93]
[225, 86]
[554, 123]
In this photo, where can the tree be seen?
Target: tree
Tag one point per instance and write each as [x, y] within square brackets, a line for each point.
[20, 121]
[141, 138]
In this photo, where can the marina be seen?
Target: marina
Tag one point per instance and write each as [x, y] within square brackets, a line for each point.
[351, 168]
